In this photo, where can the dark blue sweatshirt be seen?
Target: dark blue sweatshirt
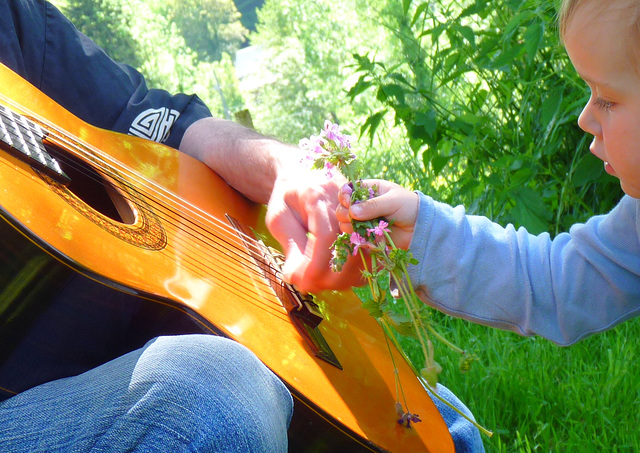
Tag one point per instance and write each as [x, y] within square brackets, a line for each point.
[44, 47]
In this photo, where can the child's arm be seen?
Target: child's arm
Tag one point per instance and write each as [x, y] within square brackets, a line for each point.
[393, 202]
[581, 282]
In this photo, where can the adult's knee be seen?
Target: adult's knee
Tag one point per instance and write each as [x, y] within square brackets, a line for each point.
[231, 400]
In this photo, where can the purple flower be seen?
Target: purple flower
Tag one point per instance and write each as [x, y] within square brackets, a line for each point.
[307, 159]
[328, 166]
[358, 241]
[411, 418]
[313, 144]
[380, 229]
[332, 132]
[406, 418]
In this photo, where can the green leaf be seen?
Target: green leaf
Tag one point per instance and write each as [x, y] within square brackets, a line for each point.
[533, 37]
[373, 308]
[428, 121]
[361, 85]
[400, 78]
[406, 4]
[515, 22]
[515, 4]
[419, 10]
[372, 124]
[551, 106]
[364, 63]
[530, 210]
[468, 34]
[588, 170]
[504, 61]
[521, 177]
[431, 373]
[439, 162]
[435, 32]
[389, 91]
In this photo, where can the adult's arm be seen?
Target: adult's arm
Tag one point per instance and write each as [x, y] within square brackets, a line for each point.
[301, 203]
[39, 43]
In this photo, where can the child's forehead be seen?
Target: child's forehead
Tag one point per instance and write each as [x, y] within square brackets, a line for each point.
[613, 21]
[618, 12]
[601, 40]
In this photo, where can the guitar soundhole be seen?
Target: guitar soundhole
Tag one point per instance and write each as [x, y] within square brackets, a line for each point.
[93, 188]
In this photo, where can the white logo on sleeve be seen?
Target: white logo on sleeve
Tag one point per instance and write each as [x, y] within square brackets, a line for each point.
[154, 124]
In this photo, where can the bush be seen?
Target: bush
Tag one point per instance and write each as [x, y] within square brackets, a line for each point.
[489, 103]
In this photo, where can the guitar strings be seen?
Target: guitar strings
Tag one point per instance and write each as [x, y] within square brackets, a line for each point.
[248, 241]
[191, 246]
[230, 283]
[198, 265]
[161, 203]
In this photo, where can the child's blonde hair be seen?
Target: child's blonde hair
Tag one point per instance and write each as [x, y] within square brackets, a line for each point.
[567, 7]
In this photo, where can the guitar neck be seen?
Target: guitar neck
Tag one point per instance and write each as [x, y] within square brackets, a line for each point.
[24, 139]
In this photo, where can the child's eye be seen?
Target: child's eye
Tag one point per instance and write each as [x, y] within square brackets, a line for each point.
[602, 104]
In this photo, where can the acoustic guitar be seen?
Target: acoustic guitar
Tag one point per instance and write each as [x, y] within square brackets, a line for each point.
[108, 240]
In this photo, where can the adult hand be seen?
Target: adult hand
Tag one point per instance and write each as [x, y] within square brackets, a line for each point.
[393, 202]
[301, 215]
[301, 202]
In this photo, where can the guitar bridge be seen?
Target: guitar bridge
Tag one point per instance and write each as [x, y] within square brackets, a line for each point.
[303, 311]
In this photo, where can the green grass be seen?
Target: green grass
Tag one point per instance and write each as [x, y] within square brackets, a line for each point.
[537, 396]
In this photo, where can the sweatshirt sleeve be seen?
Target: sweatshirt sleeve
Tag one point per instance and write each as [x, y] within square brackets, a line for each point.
[44, 47]
[582, 282]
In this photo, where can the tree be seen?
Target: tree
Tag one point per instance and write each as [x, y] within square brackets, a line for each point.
[107, 23]
[248, 10]
[307, 65]
[209, 27]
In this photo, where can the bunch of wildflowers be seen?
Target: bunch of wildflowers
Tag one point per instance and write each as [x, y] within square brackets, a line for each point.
[330, 151]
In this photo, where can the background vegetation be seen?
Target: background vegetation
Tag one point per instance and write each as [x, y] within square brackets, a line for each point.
[471, 101]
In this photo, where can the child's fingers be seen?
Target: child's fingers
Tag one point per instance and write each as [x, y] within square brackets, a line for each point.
[344, 195]
[344, 219]
[383, 186]
[370, 209]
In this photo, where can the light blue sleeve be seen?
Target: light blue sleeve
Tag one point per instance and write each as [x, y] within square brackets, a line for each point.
[579, 283]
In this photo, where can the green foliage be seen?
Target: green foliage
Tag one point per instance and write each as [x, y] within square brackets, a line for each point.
[307, 67]
[303, 75]
[161, 52]
[249, 11]
[209, 27]
[538, 397]
[489, 104]
[107, 23]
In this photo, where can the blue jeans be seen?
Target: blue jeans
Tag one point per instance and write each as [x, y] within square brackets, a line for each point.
[466, 437]
[180, 393]
[190, 392]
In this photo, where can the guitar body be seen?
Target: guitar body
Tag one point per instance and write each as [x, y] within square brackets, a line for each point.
[86, 278]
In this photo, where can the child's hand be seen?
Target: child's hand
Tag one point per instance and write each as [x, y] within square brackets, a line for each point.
[393, 202]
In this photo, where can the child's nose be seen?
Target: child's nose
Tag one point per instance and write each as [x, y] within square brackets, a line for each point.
[587, 120]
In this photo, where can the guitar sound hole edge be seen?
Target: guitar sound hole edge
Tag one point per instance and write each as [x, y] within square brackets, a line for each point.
[92, 187]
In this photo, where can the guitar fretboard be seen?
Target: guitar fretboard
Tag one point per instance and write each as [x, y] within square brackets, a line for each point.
[24, 139]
